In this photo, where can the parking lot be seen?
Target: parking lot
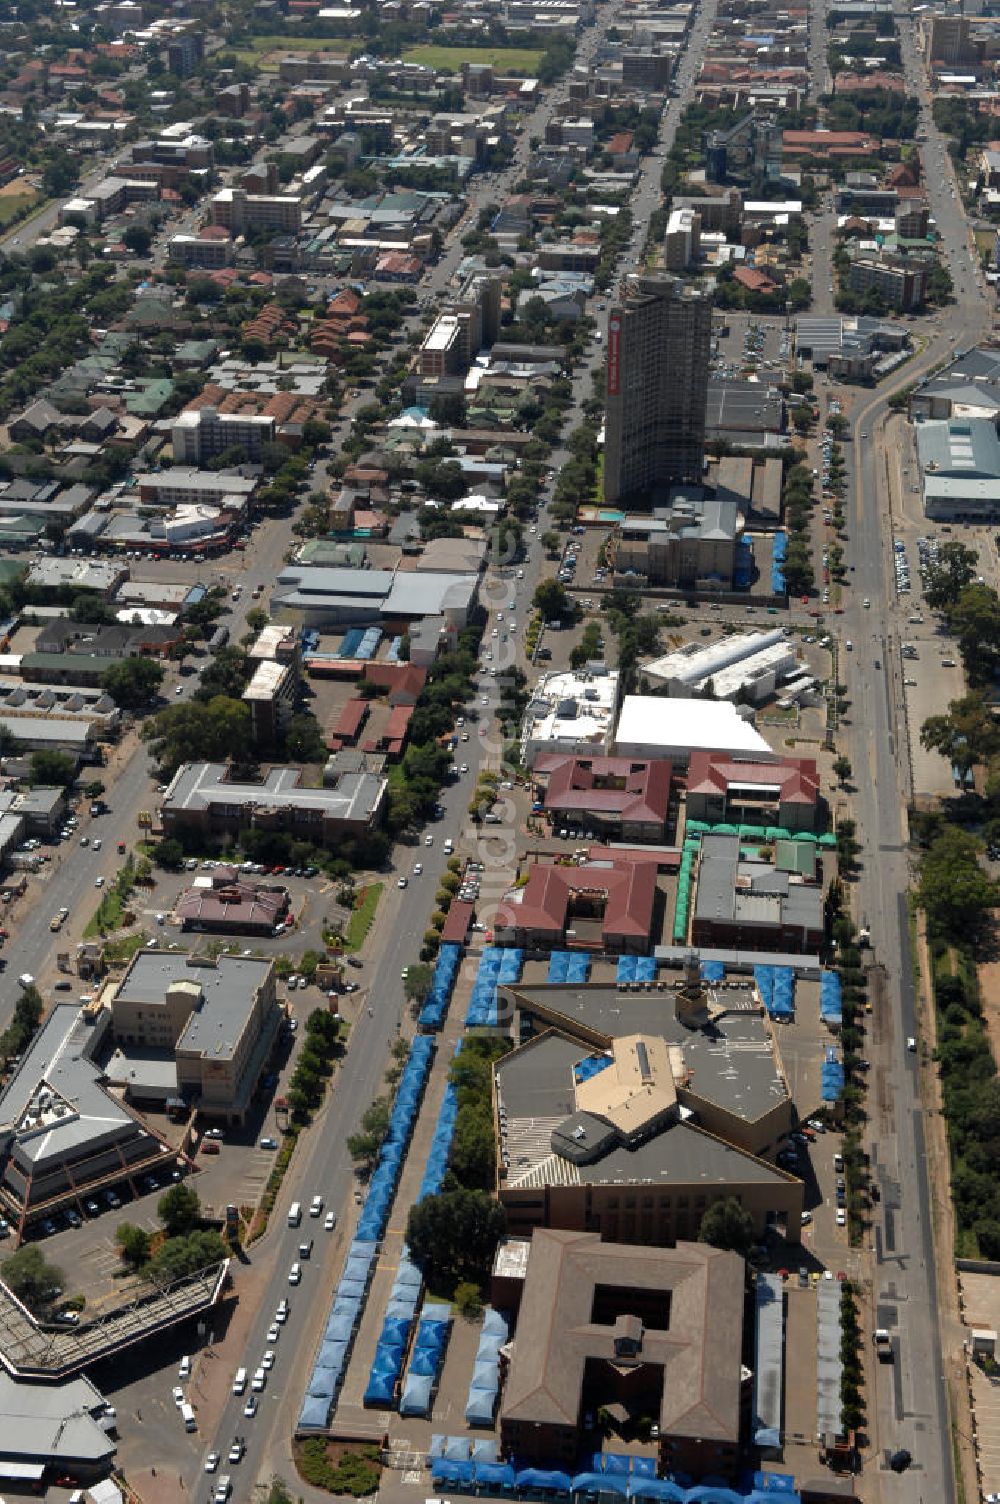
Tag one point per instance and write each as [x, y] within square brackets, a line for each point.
[754, 344]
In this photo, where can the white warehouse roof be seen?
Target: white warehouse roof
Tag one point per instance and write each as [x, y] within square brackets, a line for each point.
[653, 727]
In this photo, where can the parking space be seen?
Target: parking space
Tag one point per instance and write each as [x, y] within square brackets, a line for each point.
[981, 1311]
[752, 344]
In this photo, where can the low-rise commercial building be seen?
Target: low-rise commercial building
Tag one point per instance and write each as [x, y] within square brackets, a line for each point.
[222, 903]
[740, 791]
[605, 906]
[745, 904]
[960, 468]
[571, 712]
[614, 797]
[688, 545]
[203, 797]
[629, 1113]
[215, 1020]
[748, 667]
[658, 1331]
[650, 726]
[63, 1134]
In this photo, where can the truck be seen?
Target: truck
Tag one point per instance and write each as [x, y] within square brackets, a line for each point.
[56, 922]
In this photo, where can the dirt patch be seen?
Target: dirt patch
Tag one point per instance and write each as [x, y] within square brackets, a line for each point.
[989, 996]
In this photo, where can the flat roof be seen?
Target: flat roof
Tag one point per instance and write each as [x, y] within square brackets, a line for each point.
[199, 785]
[660, 727]
[733, 1064]
[229, 986]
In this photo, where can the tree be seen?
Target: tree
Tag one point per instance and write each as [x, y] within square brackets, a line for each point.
[726, 1224]
[138, 239]
[133, 1244]
[418, 982]
[304, 739]
[169, 854]
[186, 732]
[32, 1279]
[133, 682]
[551, 600]
[954, 891]
[52, 770]
[468, 1300]
[179, 1209]
[454, 1235]
[955, 568]
[181, 1256]
[364, 1146]
[842, 768]
[966, 734]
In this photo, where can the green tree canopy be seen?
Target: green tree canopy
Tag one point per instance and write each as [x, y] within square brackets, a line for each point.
[133, 1244]
[52, 770]
[954, 891]
[179, 1209]
[454, 1235]
[551, 600]
[214, 731]
[726, 1224]
[32, 1279]
[133, 682]
[956, 567]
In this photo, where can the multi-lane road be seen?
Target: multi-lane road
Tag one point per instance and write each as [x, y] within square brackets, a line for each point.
[910, 1403]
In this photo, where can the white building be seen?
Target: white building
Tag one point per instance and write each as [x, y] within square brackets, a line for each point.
[570, 712]
[652, 727]
[754, 664]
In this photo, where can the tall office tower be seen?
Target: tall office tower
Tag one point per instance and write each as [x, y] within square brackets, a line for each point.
[659, 339]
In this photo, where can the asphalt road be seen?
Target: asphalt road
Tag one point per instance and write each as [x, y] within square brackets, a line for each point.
[324, 1165]
[911, 1407]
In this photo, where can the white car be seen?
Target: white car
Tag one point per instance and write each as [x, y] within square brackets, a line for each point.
[211, 1462]
[178, 1395]
[418, 867]
[404, 882]
[330, 1221]
[99, 883]
[841, 1217]
[267, 1361]
[273, 1333]
[250, 1408]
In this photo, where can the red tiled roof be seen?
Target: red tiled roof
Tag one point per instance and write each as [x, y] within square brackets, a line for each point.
[231, 904]
[456, 926]
[349, 723]
[795, 777]
[404, 681]
[642, 792]
[753, 279]
[628, 889]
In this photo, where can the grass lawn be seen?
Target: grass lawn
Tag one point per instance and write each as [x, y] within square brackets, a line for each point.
[361, 919]
[299, 44]
[11, 203]
[107, 916]
[450, 59]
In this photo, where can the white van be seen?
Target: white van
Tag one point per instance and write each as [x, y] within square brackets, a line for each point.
[184, 1371]
[223, 1489]
[294, 1214]
[240, 1381]
[187, 1416]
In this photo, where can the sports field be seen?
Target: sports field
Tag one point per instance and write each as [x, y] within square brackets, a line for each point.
[267, 52]
[14, 196]
[450, 59]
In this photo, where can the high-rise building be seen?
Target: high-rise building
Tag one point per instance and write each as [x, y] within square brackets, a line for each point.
[659, 338]
[185, 53]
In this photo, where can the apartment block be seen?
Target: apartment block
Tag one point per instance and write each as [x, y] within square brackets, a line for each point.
[240, 211]
[901, 283]
[201, 435]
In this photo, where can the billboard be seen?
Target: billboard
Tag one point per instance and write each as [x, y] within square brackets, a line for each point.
[614, 341]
